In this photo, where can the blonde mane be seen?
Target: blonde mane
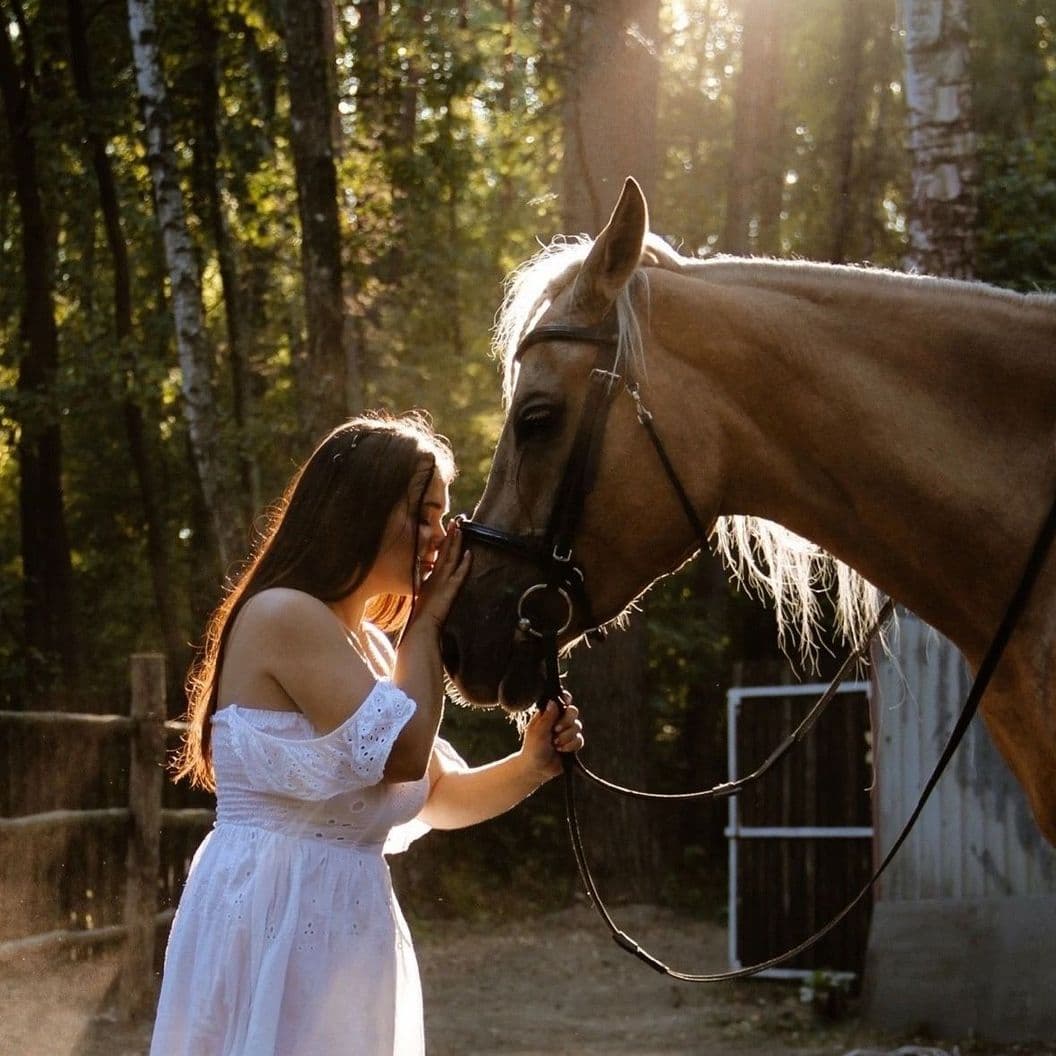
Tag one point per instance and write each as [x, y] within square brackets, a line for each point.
[779, 566]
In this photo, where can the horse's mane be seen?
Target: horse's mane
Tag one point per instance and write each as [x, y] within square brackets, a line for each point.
[764, 557]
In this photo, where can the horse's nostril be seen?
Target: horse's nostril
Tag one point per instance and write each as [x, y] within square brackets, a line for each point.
[449, 652]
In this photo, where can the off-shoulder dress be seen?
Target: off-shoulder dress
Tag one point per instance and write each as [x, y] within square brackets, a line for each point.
[288, 940]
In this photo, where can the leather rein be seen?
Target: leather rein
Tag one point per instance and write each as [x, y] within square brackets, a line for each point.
[546, 609]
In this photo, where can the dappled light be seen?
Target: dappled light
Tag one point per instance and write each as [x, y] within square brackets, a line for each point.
[805, 367]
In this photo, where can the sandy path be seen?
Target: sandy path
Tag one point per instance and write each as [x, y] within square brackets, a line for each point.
[553, 985]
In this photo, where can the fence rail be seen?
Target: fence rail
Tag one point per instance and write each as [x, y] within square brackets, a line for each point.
[143, 819]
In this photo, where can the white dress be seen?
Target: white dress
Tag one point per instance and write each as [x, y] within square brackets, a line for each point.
[288, 940]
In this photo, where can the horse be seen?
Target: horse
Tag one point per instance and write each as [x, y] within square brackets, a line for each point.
[830, 425]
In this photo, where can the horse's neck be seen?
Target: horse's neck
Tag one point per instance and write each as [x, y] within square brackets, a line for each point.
[903, 424]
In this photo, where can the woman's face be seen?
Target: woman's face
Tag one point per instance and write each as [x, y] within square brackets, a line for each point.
[418, 521]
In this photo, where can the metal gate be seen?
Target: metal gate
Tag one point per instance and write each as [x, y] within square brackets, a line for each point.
[799, 840]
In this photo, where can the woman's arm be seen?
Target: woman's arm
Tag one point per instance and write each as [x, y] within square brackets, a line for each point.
[458, 798]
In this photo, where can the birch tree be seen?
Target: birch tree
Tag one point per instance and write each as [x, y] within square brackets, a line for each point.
[136, 430]
[192, 342]
[942, 148]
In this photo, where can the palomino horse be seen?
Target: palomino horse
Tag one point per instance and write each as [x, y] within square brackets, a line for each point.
[904, 425]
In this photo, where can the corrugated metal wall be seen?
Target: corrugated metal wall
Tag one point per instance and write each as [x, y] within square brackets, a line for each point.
[976, 837]
[963, 935]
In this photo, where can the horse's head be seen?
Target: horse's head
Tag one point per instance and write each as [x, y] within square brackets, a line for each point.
[573, 470]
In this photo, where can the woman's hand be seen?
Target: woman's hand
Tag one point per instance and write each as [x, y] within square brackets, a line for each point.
[443, 583]
[548, 735]
[418, 671]
[458, 798]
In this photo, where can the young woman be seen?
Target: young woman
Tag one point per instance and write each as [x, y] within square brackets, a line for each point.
[320, 741]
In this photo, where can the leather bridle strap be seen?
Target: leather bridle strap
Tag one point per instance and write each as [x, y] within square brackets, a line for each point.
[982, 679]
[580, 472]
[552, 552]
[732, 788]
[646, 419]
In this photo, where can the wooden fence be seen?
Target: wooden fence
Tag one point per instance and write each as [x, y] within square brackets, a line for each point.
[89, 852]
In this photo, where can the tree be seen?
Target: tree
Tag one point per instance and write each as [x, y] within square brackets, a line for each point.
[328, 366]
[609, 107]
[944, 168]
[848, 122]
[209, 195]
[1014, 115]
[47, 572]
[192, 340]
[136, 430]
[756, 175]
[610, 133]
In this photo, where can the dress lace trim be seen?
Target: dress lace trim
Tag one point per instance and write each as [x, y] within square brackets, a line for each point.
[351, 756]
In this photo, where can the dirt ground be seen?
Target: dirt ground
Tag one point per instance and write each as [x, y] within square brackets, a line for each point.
[553, 985]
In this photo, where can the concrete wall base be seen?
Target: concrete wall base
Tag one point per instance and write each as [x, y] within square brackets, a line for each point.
[964, 967]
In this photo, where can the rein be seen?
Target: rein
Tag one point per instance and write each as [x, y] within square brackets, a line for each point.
[546, 609]
[732, 788]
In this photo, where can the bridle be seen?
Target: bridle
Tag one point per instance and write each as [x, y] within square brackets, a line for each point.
[545, 610]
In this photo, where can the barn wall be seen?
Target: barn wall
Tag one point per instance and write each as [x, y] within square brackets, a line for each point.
[971, 896]
[976, 838]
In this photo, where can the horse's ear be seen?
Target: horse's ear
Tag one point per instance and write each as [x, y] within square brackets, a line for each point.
[615, 253]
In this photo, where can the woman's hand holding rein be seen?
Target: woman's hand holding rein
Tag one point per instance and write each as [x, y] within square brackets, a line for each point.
[419, 672]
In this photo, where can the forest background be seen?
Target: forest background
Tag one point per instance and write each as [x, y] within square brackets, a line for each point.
[227, 224]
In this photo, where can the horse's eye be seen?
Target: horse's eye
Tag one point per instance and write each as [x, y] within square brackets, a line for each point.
[534, 422]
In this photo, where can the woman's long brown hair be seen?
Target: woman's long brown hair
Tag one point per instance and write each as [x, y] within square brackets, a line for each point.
[322, 537]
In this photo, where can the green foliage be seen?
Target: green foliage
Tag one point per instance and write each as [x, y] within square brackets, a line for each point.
[1017, 233]
[448, 161]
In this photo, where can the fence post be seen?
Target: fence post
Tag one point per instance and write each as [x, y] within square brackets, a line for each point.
[145, 778]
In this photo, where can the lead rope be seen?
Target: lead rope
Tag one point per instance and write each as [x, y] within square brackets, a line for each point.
[971, 705]
[732, 788]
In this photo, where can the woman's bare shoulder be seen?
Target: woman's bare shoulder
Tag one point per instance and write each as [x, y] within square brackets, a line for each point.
[299, 642]
[285, 609]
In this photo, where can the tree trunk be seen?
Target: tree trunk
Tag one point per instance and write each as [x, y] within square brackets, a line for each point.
[47, 574]
[874, 226]
[609, 112]
[135, 430]
[211, 200]
[770, 156]
[755, 185]
[609, 134]
[328, 372]
[506, 191]
[938, 97]
[847, 116]
[609, 683]
[366, 53]
[192, 342]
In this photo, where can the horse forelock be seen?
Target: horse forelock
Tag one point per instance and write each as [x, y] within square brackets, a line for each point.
[763, 557]
[532, 287]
